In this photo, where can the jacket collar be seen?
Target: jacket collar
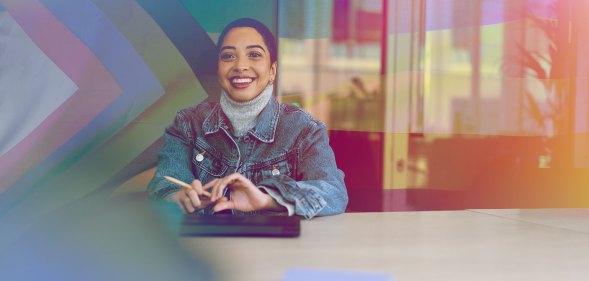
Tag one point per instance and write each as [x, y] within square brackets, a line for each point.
[264, 130]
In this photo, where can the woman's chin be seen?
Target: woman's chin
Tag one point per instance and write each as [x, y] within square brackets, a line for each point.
[243, 95]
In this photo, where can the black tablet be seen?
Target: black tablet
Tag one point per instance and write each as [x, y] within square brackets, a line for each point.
[241, 225]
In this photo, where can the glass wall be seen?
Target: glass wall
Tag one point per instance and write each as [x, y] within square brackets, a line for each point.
[445, 104]
[331, 61]
[330, 64]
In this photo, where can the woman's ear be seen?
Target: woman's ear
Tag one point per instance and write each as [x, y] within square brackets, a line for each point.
[273, 71]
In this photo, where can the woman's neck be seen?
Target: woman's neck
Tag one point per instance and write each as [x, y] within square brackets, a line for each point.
[242, 115]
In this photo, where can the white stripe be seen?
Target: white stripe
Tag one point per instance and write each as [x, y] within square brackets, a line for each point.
[31, 85]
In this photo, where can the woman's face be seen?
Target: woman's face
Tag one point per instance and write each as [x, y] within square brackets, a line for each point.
[244, 64]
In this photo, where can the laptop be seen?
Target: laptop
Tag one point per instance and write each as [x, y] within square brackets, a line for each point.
[238, 225]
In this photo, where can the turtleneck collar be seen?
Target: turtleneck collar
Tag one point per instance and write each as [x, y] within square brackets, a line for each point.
[242, 115]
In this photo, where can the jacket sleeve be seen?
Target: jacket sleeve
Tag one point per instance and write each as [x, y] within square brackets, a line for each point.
[174, 159]
[321, 190]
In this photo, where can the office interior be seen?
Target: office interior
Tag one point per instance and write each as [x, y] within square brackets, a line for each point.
[430, 105]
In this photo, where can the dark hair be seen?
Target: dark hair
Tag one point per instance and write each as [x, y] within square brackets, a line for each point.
[267, 35]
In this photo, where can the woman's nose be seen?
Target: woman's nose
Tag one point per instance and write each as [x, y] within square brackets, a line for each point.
[241, 65]
[240, 68]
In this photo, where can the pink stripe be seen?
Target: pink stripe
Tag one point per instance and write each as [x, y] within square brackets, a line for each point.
[97, 89]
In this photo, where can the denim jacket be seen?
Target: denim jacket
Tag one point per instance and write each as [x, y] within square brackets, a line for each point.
[287, 151]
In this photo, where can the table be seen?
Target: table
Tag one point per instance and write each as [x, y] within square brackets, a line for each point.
[537, 244]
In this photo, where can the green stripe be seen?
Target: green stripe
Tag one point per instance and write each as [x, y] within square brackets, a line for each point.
[214, 15]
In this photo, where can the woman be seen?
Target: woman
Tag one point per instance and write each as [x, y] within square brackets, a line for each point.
[250, 152]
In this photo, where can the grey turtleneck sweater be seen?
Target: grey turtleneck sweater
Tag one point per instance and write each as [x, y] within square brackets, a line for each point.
[243, 114]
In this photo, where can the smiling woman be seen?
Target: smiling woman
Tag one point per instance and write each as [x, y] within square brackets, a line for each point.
[245, 66]
[251, 153]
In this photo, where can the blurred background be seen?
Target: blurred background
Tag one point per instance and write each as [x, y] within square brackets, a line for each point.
[430, 104]
[445, 104]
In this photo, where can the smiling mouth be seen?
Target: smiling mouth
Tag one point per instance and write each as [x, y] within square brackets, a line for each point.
[241, 82]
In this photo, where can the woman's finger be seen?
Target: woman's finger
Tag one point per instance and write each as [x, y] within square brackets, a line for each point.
[239, 181]
[187, 204]
[210, 184]
[235, 177]
[217, 191]
[226, 181]
[221, 189]
[217, 186]
[224, 205]
[195, 201]
[197, 186]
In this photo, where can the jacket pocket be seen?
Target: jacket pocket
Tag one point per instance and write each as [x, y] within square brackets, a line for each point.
[208, 165]
[282, 165]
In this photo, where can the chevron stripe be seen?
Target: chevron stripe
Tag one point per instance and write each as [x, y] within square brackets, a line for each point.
[46, 85]
[179, 82]
[94, 167]
[140, 88]
[75, 60]
[191, 40]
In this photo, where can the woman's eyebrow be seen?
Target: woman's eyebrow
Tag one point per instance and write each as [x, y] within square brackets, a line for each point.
[255, 46]
[227, 47]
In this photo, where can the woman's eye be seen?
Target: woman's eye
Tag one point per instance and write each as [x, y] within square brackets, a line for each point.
[227, 56]
[254, 55]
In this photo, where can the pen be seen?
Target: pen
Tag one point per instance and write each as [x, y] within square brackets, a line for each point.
[184, 185]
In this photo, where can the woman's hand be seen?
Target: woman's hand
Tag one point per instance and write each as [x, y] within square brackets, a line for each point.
[245, 196]
[188, 198]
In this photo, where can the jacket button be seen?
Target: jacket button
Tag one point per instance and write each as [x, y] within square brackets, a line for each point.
[275, 172]
[199, 157]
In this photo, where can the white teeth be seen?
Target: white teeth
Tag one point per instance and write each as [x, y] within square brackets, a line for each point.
[242, 80]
